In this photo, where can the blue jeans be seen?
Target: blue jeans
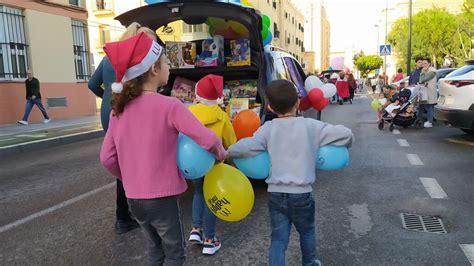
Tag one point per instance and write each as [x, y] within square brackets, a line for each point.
[429, 111]
[286, 209]
[202, 216]
[29, 105]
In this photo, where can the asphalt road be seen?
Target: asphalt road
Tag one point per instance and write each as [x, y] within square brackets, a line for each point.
[48, 214]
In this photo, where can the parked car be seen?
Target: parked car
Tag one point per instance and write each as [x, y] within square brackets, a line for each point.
[456, 98]
[440, 73]
[267, 64]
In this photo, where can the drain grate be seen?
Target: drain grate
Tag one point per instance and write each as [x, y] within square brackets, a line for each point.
[422, 223]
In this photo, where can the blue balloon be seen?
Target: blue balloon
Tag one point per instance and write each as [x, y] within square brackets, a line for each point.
[193, 161]
[332, 158]
[257, 167]
[269, 38]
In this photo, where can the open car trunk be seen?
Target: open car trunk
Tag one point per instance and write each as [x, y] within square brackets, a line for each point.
[191, 12]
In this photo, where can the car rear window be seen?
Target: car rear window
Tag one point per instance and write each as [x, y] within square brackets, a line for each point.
[461, 71]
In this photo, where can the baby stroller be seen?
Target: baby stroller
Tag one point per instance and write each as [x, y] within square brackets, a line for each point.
[401, 118]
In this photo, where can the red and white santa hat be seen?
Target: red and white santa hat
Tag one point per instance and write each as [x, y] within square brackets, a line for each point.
[132, 57]
[209, 89]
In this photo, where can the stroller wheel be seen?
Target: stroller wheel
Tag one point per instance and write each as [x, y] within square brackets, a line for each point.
[391, 127]
[381, 125]
[419, 123]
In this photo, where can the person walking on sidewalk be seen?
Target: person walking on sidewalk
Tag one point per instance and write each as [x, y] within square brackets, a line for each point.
[33, 97]
[105, 75]
[428, 80]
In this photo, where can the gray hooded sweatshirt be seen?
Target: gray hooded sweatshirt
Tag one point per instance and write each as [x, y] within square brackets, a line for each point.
[293, 145]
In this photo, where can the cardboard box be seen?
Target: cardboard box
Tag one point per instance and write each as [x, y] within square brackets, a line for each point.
[183, 89]
[181, 54]
[212, 52]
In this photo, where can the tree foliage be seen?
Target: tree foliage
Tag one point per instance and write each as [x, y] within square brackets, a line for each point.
[357, 56]
[435, 33]
[367, 63]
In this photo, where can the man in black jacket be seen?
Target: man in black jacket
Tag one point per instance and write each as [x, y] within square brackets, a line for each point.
[415, 74]
[33, 96]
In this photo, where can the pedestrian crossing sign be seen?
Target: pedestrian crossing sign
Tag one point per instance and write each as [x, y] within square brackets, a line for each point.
[385, 49]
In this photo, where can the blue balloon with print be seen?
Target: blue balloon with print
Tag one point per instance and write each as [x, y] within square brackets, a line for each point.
[332, 158]
[257, 167]
[193, 161]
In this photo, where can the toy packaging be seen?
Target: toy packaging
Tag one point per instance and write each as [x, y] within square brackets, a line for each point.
[242, 88]
[240, 53]
[237, 105]
[183, 89]
[181, 54]
[211, 53]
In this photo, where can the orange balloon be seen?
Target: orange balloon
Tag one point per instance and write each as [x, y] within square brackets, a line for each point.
[245, 124]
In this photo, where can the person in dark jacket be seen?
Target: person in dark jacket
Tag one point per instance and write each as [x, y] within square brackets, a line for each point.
[415, 74]
[33, 97]
[100, 84]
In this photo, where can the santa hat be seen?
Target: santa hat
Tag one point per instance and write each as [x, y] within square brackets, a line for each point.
[131, 58]
[209, 89]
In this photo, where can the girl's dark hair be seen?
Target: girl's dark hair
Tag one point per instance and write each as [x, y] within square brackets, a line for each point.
[131, 90]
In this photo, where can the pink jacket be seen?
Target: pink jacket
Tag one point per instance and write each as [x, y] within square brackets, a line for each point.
[140, 146]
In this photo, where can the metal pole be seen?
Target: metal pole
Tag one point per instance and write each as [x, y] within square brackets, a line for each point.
[409, 39]
[378, 38]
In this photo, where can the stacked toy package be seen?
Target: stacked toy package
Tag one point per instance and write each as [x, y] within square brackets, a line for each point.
[240, 53]
[183, 89]
[181, 54]
[212, 52]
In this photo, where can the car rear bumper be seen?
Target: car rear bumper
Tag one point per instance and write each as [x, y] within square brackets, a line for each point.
[457, 118]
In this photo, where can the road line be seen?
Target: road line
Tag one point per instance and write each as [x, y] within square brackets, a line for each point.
[54, 208]
[48, 139]
[468, 250]
[414, 159]
[433, 188]
[2, 140]
[396, 132]
[403, 142]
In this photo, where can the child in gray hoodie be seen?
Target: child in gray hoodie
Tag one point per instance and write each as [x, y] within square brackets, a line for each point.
[292, 143]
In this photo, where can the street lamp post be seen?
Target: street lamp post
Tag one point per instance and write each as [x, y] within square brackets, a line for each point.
[386, 27]
[377, 48]
[409, 38]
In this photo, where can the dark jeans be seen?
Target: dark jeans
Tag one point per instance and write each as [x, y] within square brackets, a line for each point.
[160, 220]
[286, 209]
[429, 111]
[122, 212]
[202, 216]
[29, 105]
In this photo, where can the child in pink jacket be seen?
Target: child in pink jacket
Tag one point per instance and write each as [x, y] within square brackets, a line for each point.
[140, 146]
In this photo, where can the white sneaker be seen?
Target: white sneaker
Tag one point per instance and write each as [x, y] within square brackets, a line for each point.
[427, 124]
[195, 236]
[46, 121]
[211, 246]
[23, 122]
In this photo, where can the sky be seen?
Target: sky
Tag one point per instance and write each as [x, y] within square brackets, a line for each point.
[352, 23]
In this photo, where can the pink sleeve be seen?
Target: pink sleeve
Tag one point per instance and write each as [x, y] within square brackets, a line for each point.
[185, 122]
[108, 152]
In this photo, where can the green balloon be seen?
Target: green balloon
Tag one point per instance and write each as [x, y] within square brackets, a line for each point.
[375, 104]
[265, 32]
[265, 21]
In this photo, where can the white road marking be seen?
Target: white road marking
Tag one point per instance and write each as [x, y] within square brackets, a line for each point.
[403, 142]
[414, 159]
[396, 132]
[31, 136]
[468, 250]
[2, 140]
[41, 140]
[433, 188]
[54, 208]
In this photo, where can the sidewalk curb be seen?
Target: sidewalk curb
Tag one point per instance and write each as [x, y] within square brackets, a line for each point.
[50, 142]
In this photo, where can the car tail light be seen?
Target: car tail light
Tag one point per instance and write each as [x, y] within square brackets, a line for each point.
[460, 83]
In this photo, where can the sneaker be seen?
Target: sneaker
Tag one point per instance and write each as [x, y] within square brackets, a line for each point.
[46, 121]
[195, 236]
[123, 226]
[211, 246]
[22, 122]
[427, 124]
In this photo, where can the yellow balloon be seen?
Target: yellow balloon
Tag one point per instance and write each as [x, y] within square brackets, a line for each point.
[247, 3]
[237, 27]
[228, 193]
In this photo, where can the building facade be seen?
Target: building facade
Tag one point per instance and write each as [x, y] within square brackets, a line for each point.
[317, 34]
[50, 38]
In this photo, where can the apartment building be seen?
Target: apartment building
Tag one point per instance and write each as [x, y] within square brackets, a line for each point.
[50, 38]
[317, 36]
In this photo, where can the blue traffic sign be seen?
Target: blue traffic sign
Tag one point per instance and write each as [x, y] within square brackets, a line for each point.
[385, 49]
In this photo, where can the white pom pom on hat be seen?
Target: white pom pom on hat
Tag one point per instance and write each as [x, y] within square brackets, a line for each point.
[117, 87]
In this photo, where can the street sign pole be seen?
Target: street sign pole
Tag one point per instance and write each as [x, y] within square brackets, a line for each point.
[409, 38]
[386, 26]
